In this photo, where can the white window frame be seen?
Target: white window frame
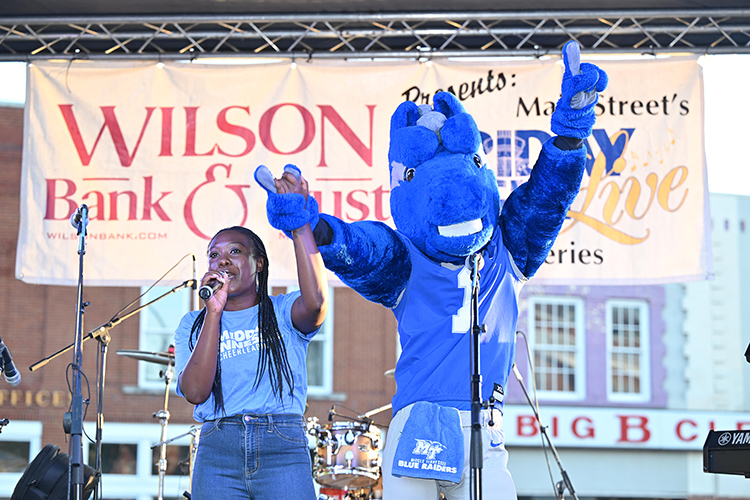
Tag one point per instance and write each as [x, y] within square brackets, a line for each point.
[143, 485]
[580, 345]
[644, 351]
[145, 330]
[325, 335]
[20, 431]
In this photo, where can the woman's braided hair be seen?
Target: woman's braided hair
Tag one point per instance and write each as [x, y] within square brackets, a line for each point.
[272, 348]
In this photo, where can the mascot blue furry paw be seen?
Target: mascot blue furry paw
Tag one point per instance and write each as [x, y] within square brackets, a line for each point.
[446, 208]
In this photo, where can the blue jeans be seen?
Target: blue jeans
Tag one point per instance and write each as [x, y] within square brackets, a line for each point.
[258, 457]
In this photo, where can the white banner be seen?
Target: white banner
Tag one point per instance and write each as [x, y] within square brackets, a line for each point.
[163, 156]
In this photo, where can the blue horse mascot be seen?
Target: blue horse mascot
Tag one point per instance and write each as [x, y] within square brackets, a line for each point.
[446, 208]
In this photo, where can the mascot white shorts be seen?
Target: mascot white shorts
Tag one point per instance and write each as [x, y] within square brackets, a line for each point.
[497, 483]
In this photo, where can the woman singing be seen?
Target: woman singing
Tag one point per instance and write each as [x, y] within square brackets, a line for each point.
[241, 361]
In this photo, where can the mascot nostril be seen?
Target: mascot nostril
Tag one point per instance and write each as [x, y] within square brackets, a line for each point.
[422, 273]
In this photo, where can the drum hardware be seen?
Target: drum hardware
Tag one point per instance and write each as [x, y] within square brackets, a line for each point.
[194, 440]
[167, 359]
[3, 423]
[374, 492]
[347, 454]
[337, 494]
[365, 417]
[194, 434]
[163, 416]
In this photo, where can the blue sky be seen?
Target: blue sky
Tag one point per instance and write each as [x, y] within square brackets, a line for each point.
[727, 111]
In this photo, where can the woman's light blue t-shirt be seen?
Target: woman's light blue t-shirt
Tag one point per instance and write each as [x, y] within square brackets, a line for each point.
[238, 355]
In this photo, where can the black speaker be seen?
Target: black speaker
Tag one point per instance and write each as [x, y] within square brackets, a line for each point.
[46, 477]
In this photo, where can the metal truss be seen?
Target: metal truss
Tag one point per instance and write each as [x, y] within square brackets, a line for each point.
[387, 35]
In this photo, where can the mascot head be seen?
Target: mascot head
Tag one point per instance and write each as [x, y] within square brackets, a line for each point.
[443, 196]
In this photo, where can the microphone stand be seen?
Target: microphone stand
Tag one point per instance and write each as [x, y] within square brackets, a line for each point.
[565, 482]
[365, 417]
[101, 333]
[333, 413]
[476, 460]
[75, 447]
[100, 330]
[370, 413]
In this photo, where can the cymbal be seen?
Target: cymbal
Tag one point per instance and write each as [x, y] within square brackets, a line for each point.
[162, 358]
[390, 373]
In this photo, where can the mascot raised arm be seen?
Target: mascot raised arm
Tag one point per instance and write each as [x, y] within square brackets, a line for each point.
[446, 207]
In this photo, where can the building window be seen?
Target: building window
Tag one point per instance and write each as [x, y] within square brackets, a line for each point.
[117, 458]
[14, 455]
[557, 346]
[130, 457]
[20, 442]
[320, 354]
[628, 373]
[158, 324]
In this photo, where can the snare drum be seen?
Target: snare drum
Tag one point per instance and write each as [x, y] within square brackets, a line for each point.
[347, 455]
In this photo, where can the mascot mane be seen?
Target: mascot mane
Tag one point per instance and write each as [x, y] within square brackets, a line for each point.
[443, 196]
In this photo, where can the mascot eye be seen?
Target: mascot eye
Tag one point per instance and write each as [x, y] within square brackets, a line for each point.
[478, 161]
[409, 174]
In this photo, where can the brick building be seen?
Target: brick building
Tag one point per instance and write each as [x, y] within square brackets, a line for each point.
[40, 320]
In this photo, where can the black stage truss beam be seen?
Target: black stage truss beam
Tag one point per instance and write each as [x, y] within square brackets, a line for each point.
[384, 35]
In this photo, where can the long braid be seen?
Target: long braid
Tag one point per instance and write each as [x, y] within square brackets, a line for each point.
[272, 348]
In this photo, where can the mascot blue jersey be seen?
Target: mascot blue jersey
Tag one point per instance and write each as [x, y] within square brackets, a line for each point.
[434, 324]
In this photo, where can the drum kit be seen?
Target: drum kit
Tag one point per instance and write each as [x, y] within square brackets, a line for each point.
[346, 455]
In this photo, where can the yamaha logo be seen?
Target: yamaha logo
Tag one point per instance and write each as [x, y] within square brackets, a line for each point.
[725, 438]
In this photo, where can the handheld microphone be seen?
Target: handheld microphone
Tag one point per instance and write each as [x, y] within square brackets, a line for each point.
[12, 376]
[207, 290]
[331, 413]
